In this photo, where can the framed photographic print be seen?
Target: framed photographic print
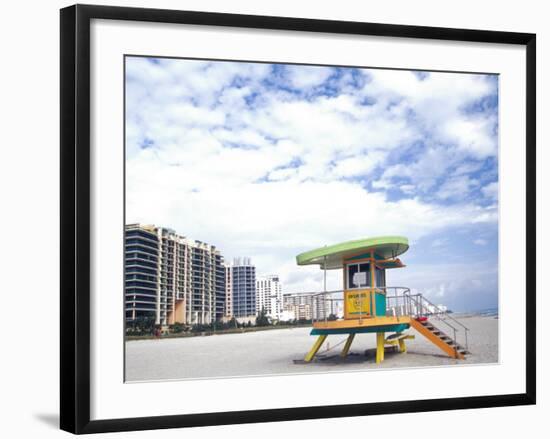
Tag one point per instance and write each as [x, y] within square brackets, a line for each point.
[273, 218]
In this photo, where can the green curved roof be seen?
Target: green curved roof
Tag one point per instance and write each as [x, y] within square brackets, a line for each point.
[384, 246]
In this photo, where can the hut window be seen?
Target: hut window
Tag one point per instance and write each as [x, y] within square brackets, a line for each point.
[380, 277]
[358, 276]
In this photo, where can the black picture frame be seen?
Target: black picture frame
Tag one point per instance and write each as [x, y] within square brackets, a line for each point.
[75, 217]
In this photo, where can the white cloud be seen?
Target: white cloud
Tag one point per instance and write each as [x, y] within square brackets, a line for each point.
[306, 77]
[491, 190]
[262, 172]
[423, 173]
[407, 188]
[357, 166]
[460, 286]
[439, 102]
[273, 222]
[456, 188]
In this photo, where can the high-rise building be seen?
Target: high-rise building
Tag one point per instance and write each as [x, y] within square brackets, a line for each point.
[269, 296]
[171, 277]
[142, 272]
[242, 287]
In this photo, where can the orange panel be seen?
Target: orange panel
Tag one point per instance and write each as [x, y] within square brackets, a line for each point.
[363, 323]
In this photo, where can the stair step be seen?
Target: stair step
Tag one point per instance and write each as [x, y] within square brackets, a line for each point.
[456, 347]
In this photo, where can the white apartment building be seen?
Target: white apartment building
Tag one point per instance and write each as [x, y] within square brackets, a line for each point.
[297, 306]
[269, 296]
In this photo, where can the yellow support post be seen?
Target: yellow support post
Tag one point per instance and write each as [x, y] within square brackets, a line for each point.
[349, 341]
[399, 340]
[379, 347]
[402, 346]
[316, 346]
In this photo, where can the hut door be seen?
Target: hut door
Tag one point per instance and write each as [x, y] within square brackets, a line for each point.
[357, 295]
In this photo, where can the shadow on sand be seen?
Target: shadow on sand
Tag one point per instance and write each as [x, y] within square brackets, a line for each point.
[368, 356]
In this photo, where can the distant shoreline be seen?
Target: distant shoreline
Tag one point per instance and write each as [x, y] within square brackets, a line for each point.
[490, 312]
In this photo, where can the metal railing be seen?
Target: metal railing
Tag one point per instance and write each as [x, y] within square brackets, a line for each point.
[316, 306]
[328, 305]
[418, 306]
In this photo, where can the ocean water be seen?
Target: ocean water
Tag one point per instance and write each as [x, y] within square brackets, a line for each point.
[487, 312]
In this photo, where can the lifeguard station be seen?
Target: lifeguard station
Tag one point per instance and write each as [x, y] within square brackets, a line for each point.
[370, 306]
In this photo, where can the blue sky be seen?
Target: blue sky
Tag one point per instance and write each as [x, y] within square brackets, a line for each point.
[270, 160]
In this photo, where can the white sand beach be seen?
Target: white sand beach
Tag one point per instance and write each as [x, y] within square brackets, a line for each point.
[280, 351]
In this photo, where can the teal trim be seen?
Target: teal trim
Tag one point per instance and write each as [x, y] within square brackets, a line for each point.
[363, 256]
[400, 327]
[380, 304]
